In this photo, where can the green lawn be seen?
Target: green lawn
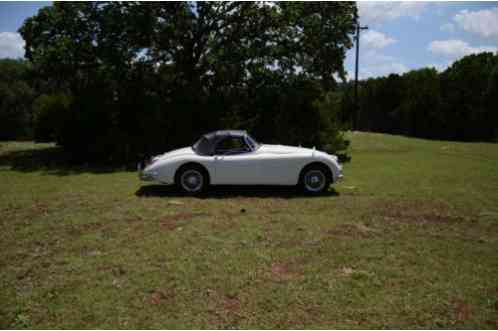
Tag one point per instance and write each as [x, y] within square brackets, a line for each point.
[408, 240]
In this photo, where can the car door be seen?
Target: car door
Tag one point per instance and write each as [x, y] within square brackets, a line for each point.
[279, 169]
[235, 163]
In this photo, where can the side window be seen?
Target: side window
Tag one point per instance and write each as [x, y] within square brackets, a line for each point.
[231, 146]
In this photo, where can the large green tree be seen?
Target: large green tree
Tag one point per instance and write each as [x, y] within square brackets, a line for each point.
[16, 96]
[467, 87]
[149, 76]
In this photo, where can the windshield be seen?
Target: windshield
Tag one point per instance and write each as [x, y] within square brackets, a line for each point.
[252, 142]
[201, 146]
[204, 146]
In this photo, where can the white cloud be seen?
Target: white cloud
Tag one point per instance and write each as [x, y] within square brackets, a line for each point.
[11, 45]
[385, 69]
[372, 39]
[454, 48]
[448, 27]
[375, 64]
[482, 22]
[440, 67]
[376, 13]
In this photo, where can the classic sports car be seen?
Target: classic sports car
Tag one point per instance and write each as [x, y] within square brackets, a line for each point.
[232, 157]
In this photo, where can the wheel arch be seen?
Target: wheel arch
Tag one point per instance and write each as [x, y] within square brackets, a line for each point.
[192, 164]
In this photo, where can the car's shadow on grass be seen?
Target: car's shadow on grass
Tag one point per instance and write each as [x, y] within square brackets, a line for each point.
[225, 191]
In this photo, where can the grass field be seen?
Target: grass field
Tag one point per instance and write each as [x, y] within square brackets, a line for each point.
[408, 240]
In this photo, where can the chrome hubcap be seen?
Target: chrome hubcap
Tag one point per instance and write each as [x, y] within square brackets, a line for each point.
[314, 180]
[192, 180]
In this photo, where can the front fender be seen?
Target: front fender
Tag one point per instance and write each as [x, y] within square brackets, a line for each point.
[166, 168]
[331, 162]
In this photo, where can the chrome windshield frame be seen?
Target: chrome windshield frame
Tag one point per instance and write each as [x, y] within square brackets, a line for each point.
[251, 142]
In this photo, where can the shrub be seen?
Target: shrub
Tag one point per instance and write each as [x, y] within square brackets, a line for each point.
[50, 114]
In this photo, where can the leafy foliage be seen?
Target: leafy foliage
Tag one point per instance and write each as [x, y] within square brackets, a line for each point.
[119, 80]
[143, 78]
[50, 115]
[16, 96]
[457, 104]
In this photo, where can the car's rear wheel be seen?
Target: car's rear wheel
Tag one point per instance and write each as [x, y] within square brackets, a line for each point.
[192, 179]
[315, 179]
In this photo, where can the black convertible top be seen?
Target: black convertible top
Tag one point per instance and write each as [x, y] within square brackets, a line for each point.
[225, 133]
[206, 144]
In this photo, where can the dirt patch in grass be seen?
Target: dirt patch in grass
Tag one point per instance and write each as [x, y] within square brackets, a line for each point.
[91, 226]
[231, 305]
[280, 271]
[159, 297]
[39, 209]
[357, 230]
[183, 217]
[223, 308]
[174, 221]
[225, 220]
[462, 310]
[414, 211]
[80, 229]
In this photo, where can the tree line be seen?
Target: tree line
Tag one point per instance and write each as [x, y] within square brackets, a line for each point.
[112, 82]
[460, 103]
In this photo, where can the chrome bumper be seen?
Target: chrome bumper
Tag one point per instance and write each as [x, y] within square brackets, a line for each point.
[146, 177]
[340, 175]
[143, 175]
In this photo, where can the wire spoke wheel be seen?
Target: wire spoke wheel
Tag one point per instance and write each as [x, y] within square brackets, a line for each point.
[315, 180]
[192, 180]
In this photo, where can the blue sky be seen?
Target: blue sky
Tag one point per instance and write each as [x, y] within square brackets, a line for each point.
[401, 36]
[410, 35]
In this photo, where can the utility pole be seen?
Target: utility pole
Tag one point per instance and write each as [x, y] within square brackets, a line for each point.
[356, 103]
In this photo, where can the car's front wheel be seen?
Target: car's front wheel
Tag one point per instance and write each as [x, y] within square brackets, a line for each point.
[191, 179]
[315, 179]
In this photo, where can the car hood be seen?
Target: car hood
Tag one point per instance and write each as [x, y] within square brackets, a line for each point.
[283, 149]
[264, 148]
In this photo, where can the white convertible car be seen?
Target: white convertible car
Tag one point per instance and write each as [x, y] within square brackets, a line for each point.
[234, 158]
